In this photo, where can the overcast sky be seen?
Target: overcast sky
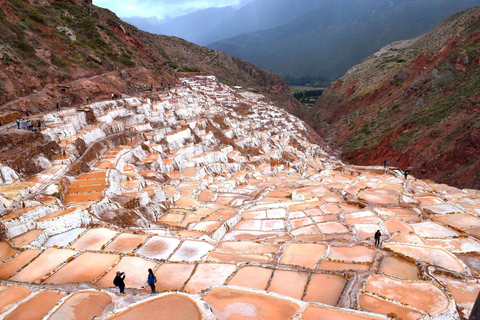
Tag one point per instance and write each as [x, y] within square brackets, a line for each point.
[162, 9]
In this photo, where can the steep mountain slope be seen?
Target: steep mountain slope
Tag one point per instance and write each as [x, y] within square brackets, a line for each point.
[415, 103]
[90, 52]
[214, 24]
[336, 35]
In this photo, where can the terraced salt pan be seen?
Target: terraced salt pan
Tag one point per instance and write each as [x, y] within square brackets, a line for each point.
[26, 238]
[232, 304]
[6, 251]
[135, 271]
[64, 239]
[37, 307]
[94, 239]
[11, 295]
[19, 261]
[398, 268]
[192, 251]
[465, 293]
[288, 283]
[378, 305]
[246, 246]
[358, 254]
[325, 288]
[316, 312]
[421, 295]
[460, 245]
[86, 267]
[82, 305]
[428, 229]
[172, 306]
[126, 243]
[209, 275]
[252, 277]
[167, 282]
[459, 220]
[47, 262]
[339, 266]
[434, 256]
[303, 254]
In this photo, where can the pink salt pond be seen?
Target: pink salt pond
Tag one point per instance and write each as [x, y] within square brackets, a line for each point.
[11, 295]
[303, 254]
[332, 227]
[192, 251]
[378, 305]
[316, 312]
[26, 238]
[232, 304]
[358, 254]
[37, 307]
[325, 288]
[135, 270]
[434, 256]
[181, 273]
[428, 229]
[289, 283]
[464, 293]
[209, 275]
[18, 262]
[6, 251]
[421, 295]
[94, 239]
[252, 277]
[246, 246]
[86, 267]
[126, 243]
[398, 268]
[172, 307]
[47, 262]
[82, 305]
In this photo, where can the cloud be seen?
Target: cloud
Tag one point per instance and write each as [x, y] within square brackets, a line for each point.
[162, 9]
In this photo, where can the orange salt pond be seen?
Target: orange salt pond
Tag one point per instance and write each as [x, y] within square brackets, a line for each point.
[316, 312]
[378, 305]
[86, 267]
[171, 307]
[325, 288]
[289, 283]
[303, 254]
[231, 304]
[94, 239]
[126, 243]
[237, 257]
[246, 246]
[395, 225]
[464, 293]
[11, 295]
[351, 254]
[26, 238]
[209, 275]
[459, 220]
[10, 267]
[6, 251]
[47, 262]
[192, 251]
[332, 227]
[428, 229]
[331, 266]
[421, 295]
[37, 307]
[167, 282]
[82, 305]
[434, 256]
[252, 277]
[398, 268]
[135, 270]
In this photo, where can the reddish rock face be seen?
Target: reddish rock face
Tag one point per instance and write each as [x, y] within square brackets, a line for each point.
[414, 103]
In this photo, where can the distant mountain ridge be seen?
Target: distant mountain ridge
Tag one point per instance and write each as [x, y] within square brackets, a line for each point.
[415, 103]
[335, 35]
[210, 25]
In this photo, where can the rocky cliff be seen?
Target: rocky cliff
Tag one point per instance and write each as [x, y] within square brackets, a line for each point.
[415, 103]
[66, 51]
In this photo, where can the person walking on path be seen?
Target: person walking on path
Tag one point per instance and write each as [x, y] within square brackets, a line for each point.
[385, 164]
[378, 234]
[119, 281]
[57, 106]
[18, 123]
[26, 113]
[151, 280]
[406, 174]
[39, 125]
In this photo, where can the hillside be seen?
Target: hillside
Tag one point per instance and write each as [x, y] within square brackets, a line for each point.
[415, 103]
[90, 52]
[333, 36]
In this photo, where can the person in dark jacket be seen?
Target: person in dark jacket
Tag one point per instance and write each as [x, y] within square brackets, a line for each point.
[18, 123]
[119, 281]
[151, 280]
[378, 234]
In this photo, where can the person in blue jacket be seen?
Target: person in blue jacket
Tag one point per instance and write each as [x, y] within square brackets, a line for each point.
[151, 280]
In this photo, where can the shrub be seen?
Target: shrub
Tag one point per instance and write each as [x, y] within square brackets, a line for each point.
[36, 16]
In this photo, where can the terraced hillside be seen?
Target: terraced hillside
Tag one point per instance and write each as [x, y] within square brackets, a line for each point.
[239, 215]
